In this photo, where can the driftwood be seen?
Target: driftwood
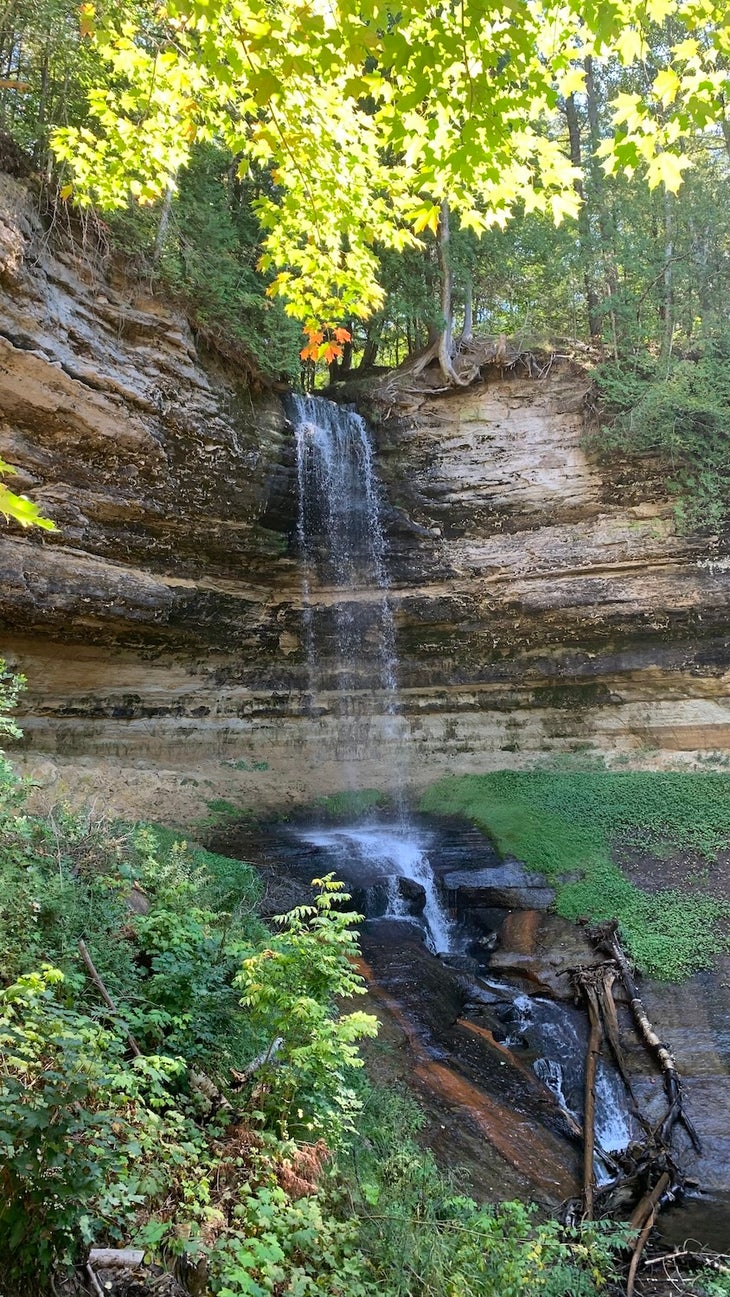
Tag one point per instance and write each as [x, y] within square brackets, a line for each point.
[610, 1023]
[594, 1049]
[643, 1219]
[645, 1175]
[606, 938]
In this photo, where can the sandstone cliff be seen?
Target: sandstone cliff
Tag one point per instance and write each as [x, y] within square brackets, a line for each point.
[540, 604]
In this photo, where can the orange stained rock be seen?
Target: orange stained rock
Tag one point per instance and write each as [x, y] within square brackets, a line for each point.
[531, 1150]
[520, 930]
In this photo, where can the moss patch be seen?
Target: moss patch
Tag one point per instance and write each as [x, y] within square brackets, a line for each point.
[351, 804]
[567, 823]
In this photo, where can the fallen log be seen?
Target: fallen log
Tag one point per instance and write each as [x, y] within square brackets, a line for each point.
[115, 1258]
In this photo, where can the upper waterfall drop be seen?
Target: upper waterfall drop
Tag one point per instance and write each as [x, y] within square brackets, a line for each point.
[343, 547]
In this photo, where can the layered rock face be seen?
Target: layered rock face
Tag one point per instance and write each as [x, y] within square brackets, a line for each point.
[540, 604]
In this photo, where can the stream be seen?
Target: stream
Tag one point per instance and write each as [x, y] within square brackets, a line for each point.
[393, 881]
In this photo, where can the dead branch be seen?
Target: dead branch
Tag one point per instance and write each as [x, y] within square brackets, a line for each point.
[700, 1259]
[592, 1053]
[101, 988]
[643, 1218]
[610, 1023]
[266, 1056]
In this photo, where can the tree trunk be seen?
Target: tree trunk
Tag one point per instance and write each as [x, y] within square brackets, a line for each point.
[667, 306]
[446, 341]
[163, 225]
[725, 125]
[370, 350]
[468, 331]
[584, 222]
[597, 199]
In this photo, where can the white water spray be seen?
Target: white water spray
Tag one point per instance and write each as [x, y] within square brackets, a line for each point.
[388, 853]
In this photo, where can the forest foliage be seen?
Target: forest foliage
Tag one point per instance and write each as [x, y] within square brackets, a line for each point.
[302, 161]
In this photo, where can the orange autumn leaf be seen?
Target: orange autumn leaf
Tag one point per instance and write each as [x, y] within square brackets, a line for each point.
[343, 335]
[330, 352]
[87, 25]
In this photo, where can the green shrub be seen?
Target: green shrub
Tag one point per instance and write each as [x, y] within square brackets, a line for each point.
[289, 989]
[11, 686]
[565, 822]
[421, 1236]
[83, 1133]
[679, 413]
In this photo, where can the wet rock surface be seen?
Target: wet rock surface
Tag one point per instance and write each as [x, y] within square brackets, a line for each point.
[507, 884]
[487, 1090]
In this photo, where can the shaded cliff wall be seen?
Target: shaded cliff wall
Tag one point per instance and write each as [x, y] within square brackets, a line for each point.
[541, 605]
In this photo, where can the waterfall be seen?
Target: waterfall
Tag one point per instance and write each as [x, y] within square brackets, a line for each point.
[343, 552]
[561, 1067]
[378, 851]
[342, 546]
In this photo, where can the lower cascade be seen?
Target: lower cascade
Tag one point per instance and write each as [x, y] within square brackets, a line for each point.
[389, 854]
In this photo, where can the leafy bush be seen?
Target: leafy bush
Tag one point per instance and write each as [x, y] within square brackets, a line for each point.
[81, 1130]
[289, 989]
[423, 1237]
[11, 686]
[678, 412]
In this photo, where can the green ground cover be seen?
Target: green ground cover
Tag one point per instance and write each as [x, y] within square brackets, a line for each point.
[570, 825]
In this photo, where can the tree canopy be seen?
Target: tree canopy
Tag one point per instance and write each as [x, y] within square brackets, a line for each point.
[382, 175]
[371, 118]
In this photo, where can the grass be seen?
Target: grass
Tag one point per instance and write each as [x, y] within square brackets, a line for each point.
[565, 824]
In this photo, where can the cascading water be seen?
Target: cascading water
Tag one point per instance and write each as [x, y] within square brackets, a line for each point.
[342, 546]
[344, 555]
[393, 854]
[559, 1035]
